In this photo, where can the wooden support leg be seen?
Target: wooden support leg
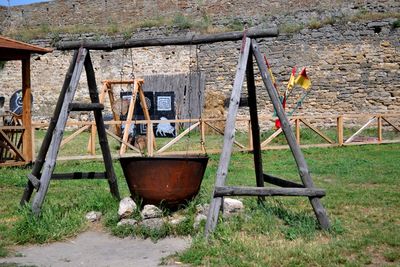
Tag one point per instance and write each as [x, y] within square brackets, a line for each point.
[37, 167]
[229, 137]
[295, 148]
[251, 88]
[56, 138]
[101, 131]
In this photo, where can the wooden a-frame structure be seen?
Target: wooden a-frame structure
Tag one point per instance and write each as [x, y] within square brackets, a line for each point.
[286, 188]
[107, 89]
[43, 168]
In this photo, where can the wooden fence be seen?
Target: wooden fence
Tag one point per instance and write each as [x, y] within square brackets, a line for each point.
[201, 135]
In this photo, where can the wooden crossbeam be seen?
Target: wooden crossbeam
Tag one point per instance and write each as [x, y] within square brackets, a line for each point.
[317, 131]
[391, 124]
[360, 130]
[11, 145]
[222, 133]
[79, 175]
[271, 137]
[179, 137]
[85, 106]
[281, 182]
[221, 191]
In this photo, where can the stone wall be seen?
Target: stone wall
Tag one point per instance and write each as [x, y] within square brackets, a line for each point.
[353, 66]
[60, 13]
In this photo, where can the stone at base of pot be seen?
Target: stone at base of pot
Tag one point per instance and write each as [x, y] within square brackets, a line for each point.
[93, 216]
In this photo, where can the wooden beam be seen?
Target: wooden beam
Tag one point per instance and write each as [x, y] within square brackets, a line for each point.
[11, 145]
[79, 175]
[380, 137]
[391, 124]
[72, 136]
[340, 130]
[58, 132]
[26, 110]
[360, 130]
[129, 117]
[221, 191]
[229, 136]
[222, 133]
[101, 130]
[302, 166]
[179, 137]
[47, 138]
[280, 182]
[85, 106]
[186, 40]
[122, 141]
[271, 137]
[317, 131]
[255, 127]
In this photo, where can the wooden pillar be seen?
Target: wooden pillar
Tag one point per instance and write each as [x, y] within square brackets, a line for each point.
[297, 121]
[26, 110]
[379, 120]
[340, 130]
[255, 128]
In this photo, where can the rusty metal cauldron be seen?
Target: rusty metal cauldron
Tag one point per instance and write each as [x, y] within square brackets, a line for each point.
[169, 181]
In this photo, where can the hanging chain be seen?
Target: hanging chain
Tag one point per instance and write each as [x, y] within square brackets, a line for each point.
[199, 96]
[132, 74]
[121, 72]
[188, 97]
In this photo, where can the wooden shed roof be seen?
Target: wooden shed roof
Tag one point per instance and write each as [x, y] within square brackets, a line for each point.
[15, 50]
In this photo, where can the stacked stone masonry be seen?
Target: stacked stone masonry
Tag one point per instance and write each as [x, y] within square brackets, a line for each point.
[354, 67]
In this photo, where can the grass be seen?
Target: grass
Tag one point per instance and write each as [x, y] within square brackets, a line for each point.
[363, 200]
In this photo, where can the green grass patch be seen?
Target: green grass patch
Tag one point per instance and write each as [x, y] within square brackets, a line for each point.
[362, 201]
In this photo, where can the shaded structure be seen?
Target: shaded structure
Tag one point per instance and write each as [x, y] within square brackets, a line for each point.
[16, 139]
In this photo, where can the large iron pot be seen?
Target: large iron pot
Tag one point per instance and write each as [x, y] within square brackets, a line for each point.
[169, 181]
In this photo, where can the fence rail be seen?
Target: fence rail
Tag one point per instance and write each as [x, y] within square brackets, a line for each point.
[325, 131]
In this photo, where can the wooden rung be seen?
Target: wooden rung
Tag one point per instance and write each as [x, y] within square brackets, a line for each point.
[281, 182]
[78, 175]
[85, 106]
[221, 191]
[35, 181]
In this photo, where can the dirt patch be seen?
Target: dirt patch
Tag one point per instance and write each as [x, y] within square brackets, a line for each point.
[94, 248]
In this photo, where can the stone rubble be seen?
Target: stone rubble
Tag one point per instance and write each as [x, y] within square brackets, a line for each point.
[150, 211]
[125, 222]
[93, 216]
[126, 207]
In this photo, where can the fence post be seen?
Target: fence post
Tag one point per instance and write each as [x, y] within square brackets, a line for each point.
[250, 135]
[340, 130]
[33, 144]
[150, 138]
[379, 120]
[203, 135]
[92, 140]
[297, 121]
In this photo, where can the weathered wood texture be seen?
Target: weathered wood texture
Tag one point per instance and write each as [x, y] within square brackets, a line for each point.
[101, 130]
[188, 88]
[267, 191]
[79, 175]
[229, 137]
[85, 106]
[280, 182]
[305, 176]
[255, 128]
[58, 132]
[187, 40]
[26, 110]
[37, 167]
